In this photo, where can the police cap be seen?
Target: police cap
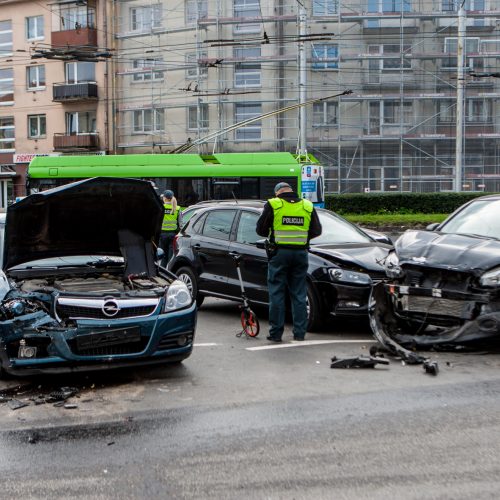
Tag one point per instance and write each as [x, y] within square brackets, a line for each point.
[168, 194]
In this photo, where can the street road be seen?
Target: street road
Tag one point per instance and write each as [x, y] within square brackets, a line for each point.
[244, 419]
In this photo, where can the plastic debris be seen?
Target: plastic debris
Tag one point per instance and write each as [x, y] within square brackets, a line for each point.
[358, 362]
[431, 367]
[15, 404]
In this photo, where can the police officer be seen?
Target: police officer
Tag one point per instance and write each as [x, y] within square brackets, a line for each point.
[289, 222]
[170, 225]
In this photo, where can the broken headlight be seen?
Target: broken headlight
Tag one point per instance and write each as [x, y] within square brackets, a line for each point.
[351, 277]
[177, 296]
[392, 267]
[491, 278]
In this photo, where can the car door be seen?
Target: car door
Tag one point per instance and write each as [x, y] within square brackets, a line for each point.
[212, 251]
[253, 263]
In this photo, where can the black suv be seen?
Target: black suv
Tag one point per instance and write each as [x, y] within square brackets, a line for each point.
[344, 261]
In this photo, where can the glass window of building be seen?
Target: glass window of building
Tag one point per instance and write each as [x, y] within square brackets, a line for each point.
[6, 87]
[471, 48]
[247, 74]
[146, 70]
[7, 134]
[194, 69]
[250, 9]
[81, 122]
[79, 72]
[34, 28]
[37, 126]
[245, 111]
[392, 56]
[146, 18]
[5, 38]
[389, 5]
[325, 7]
[148, 120]
[324, 114]
[73, 16]
[195, 9]
[325, 56]
[35, 77]
[198, 117]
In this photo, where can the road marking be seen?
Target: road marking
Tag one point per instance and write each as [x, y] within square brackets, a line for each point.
[206, 344]
[295, 343]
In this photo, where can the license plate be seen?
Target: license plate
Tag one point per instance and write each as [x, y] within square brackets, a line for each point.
[108, 337]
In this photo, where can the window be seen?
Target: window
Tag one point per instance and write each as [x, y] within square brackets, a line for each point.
[149, 120]
[79, 72]
[447, 111]
[325, 7]
[247, 74]
[36, 126]
[7, 134]
[146, 18]
[389, 112]
[6, 87]
[81, 122]
[246, 229]
[325, 56]
[74, 16]
[250, 9]
[147, 73]
[452, 5]
[218, 224]
[34, 28]
[389, 5]
[324, 114]
[391, 57]
[35, 77]
[471, 48]
[196, 9]
[5, 38]
[245, 111]
[193, 68]
[478, 111]
[196, 122]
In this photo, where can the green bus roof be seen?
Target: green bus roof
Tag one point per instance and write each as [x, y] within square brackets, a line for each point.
[165, 165]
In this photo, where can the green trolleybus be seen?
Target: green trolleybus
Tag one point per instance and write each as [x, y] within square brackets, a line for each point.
[192, 177]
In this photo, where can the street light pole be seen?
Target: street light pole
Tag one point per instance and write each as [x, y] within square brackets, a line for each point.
[302, 81]
[460, 97]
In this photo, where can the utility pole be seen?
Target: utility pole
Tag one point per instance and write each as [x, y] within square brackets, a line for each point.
[302, 80]
[459, 143]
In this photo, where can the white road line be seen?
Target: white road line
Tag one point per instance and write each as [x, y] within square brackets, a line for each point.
[206, 344]
[294, 343]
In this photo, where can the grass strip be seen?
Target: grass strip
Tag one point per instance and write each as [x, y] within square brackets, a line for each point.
[395, 219]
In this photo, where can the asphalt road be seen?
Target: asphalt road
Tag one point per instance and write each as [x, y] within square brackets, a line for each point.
[245, 419]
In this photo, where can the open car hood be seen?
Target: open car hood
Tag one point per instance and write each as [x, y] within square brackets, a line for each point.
[82, 218]
[448, 251]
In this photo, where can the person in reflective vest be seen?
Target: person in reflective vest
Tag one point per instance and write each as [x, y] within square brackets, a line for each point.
[170, 225]
[289, 222]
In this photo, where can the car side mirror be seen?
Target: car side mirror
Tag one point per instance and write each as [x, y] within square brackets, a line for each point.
[432, 227]
[261, 244]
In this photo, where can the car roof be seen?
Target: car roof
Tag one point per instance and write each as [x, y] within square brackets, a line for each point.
[230, 203]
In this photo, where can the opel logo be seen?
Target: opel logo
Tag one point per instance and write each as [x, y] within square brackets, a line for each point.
[110, 308]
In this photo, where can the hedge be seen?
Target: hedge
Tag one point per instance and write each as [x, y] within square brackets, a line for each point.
[387, 203]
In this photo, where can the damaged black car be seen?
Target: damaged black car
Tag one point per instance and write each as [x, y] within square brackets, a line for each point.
[80, 287]
[443, 284]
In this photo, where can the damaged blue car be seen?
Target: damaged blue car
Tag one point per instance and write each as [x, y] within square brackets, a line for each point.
[80, 288]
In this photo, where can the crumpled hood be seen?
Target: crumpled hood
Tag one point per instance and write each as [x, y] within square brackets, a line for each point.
[448, 251]
[368, 256]
[82, 218]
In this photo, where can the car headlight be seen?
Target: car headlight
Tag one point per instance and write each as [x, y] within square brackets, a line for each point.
[351, 277]
[392, 267]
[491, 278]
[177, 296]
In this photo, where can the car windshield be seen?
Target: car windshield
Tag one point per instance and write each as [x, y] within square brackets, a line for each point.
[337, 230]
[480, 218]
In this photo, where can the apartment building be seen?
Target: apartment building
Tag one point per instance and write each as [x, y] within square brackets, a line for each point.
[190, 68]
[53, 84]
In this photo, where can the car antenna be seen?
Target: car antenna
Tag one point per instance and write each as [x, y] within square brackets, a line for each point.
[235, 199]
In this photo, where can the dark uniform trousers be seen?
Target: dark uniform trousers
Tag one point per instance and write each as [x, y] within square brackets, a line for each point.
[166, 244]
[287, 271]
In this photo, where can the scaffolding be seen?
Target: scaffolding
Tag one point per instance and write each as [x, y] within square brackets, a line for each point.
[188, 68]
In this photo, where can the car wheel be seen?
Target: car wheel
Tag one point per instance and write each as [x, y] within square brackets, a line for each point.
[187, 276]
[313, 310]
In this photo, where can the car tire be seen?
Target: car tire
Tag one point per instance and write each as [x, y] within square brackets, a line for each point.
[313, 310]
[188, 276]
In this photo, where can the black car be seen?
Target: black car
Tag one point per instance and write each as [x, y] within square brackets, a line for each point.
[344, 261]
[443, 284]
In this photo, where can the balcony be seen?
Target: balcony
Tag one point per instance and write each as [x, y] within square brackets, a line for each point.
[75, 37]
[64, 92]
[76, 142]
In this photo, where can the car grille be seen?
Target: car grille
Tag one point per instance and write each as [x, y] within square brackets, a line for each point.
[127, 348]
[437, 278]
[435, 306]
[83, 308]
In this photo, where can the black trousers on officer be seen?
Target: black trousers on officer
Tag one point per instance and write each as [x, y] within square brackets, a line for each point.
[166, 244]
